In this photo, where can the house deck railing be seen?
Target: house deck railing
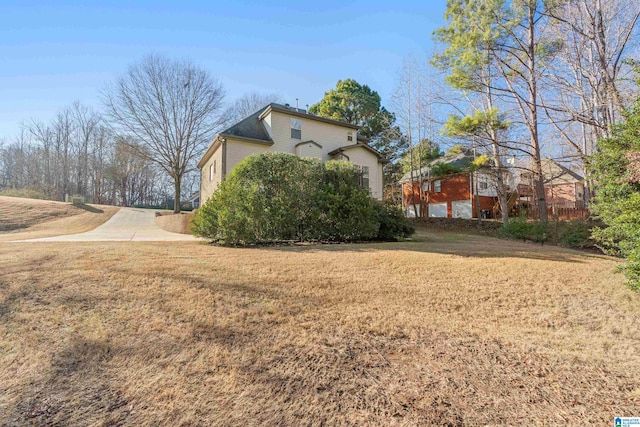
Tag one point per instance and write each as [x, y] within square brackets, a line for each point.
[563, 211]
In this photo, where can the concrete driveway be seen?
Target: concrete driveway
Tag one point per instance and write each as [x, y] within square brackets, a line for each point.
[128, 224]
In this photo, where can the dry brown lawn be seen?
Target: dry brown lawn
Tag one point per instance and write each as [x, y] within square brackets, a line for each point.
[175, 223]
[30, 218]
[446, 330]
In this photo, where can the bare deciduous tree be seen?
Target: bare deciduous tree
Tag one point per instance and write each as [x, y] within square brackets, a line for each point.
[170, 108]
[246, 105]
[87, 124]
[133, 176]
[76, 153]
[596, 35]
[404, 102]
[587, 83]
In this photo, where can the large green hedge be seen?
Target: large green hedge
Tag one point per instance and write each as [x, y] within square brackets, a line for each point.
[272, 197]
[617, 195]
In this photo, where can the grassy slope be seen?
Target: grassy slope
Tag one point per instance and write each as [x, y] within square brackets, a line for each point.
[30, 218]
[450, 329]
[168, 221]
[18, 213]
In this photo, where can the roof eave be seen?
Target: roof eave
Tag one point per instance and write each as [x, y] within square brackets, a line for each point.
[381, 158]
[207, 154]
[246, 139]
[308, 142]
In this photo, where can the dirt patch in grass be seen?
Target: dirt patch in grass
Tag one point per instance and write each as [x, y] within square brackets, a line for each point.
[175, 223]
[31, 218]
[444, 330]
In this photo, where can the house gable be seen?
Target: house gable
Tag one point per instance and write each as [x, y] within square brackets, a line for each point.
[309, 149]
[342, 151]
[555, 173]
[362, 156]
[330, 135]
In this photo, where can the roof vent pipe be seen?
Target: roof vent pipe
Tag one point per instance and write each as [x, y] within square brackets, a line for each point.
[297, 105]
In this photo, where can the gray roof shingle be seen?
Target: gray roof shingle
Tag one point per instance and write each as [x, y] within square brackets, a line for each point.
[251, 127]
[460, 160]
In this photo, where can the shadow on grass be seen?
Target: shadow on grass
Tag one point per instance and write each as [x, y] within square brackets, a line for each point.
[88, 208]
[301, 375]
[464, 245]
[77, 387]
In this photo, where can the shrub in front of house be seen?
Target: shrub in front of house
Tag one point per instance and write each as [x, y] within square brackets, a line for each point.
[341, 209]
[571, 234]
[393, 224]
[275, 197]
[575, 234]
[521, 229]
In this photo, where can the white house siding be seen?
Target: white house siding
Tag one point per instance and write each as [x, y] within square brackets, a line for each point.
[491, 190]
[328, 135]
[238, 150]
[266, 121]
[308, 150]
[207, 186]
[277, 124]
[363, 157]
[579, 192]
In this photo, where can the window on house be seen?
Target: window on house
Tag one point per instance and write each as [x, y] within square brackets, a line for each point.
[211, 172]
[364, 176]
[437, 186]
[214, 167]
[296, 128]
[483, 185]
[349, 136]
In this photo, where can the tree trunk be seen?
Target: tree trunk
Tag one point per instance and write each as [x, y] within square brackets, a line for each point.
[123, 192]
[493, 135]
[500, 187]
[176, 204]
[533, 120]
[502, 191]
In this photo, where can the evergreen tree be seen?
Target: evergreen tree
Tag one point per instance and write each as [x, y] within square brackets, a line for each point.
[616, 172]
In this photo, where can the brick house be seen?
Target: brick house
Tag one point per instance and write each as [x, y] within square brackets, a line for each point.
[461, 194]
[469, 194]
[564, 191]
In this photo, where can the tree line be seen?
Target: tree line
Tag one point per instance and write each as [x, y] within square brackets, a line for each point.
[157, 119]
[77, 153]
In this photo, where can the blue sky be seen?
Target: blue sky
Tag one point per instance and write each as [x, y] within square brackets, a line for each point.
[55, 52]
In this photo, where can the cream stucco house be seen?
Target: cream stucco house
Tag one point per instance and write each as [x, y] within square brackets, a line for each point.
[281, 128]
